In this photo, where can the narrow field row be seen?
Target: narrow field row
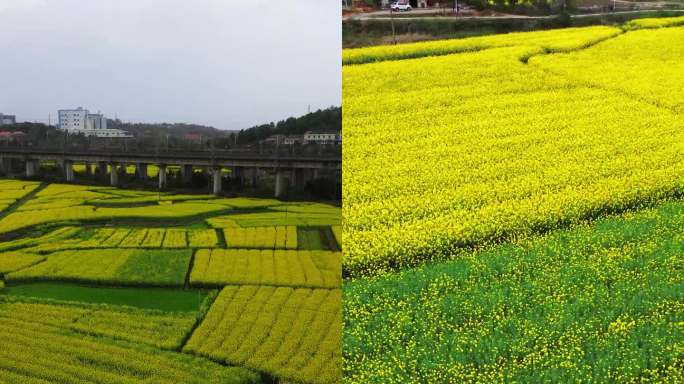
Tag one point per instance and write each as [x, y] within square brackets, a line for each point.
[39, 353]
[218, 267]
[111, 266]
[159, 329]
[129, 238]
[292, 333]
[71, 238]
[273, 237]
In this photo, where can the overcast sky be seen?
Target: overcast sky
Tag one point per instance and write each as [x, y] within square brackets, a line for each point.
[226, 63]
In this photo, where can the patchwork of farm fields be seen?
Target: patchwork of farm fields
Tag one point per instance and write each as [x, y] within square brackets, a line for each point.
[512, 208]
[104, 285]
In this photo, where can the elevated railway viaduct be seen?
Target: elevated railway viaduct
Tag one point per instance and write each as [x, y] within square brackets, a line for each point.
[288, 169]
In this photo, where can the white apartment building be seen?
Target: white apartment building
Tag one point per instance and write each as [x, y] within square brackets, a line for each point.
[90, 124]
[7, 119]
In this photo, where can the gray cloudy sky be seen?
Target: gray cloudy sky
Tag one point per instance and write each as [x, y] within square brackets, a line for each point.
[226, 63]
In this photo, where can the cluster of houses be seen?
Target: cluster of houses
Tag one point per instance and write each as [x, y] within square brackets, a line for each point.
[310, 137]
[9, 137]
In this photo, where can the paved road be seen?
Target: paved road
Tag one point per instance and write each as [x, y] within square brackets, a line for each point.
[432, 14]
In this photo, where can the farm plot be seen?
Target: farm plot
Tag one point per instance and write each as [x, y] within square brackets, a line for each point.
[130, 238]
[499, 225]
[99, 275]
[299, 214]
[33, 352]
[625, 65]
[22, 242]
[111, 266]
[320, 269]
[13, 190]
[292, 333]
[599, 302]
[498, 148]
[278, 237]
[159, 329]
[12, 261]
[58, 203]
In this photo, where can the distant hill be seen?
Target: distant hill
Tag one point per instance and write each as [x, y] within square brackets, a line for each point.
[329, 119]
[150, 134]
[140, 130]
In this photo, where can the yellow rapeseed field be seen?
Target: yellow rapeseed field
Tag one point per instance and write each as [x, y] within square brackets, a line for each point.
[526, 134]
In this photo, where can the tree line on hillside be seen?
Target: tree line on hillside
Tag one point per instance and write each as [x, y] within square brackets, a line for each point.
[329, 119]
[160, 136]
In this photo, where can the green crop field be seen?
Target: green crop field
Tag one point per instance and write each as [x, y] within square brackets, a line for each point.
[104, 285]
[512, 208]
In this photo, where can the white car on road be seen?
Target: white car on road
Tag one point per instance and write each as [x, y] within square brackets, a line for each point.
[400, 6]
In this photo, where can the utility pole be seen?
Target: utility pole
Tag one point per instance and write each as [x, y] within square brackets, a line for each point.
[394, 36]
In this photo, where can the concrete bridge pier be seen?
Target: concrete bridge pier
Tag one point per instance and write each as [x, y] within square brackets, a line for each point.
[101, 168]
[253, 177]
[186, 174]
[218, 179]
[280, 182]
[162, 176]
[141, 171]
[297, 178]
[32, 168]
[307, 175]
[88, 170]
[3, 165]
[237, 173]
[69, 170]
[60, 166]
[113, 174]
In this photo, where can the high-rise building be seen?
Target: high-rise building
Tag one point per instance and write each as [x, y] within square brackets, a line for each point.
[90, 124]
[7, 119]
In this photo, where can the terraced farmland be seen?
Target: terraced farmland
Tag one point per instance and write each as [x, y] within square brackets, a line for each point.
[137, 285]
[475, 171]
